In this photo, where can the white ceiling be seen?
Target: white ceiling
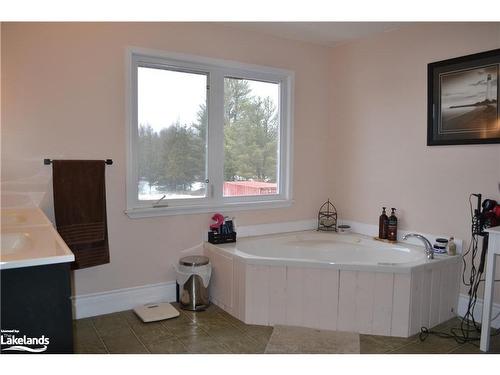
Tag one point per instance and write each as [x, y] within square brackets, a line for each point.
[325, 33]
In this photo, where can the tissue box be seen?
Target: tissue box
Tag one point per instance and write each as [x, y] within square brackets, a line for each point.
[218, 238]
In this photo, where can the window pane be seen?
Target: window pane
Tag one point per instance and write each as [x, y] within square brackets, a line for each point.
[251, 137]
[172, 145]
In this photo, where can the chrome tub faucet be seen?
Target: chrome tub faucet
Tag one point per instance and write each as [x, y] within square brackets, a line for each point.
[429, 250]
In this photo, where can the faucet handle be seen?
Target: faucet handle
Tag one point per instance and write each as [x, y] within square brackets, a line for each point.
[429, 249]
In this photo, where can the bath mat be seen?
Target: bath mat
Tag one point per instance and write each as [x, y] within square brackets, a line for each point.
[298, 340]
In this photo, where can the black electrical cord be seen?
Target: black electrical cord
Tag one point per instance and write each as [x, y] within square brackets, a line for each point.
[460, 335]
[469, 330]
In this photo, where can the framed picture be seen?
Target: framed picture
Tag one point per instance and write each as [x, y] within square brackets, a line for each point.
[463, 100]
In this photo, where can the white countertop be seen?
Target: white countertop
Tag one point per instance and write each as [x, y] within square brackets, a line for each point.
[23, 217]
[29, 239]
[493, 230]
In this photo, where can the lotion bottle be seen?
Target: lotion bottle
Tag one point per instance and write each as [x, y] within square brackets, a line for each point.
[383, 222]
[392, 227]
[452, 247]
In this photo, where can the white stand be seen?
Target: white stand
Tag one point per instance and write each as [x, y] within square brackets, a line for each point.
[493, 250]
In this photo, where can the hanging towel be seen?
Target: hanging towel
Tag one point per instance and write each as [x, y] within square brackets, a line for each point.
[80, 209]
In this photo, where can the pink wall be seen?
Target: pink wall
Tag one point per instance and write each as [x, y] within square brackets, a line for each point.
[379, 124]
[63, 96]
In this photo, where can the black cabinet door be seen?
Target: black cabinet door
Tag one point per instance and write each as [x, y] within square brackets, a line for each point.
[35, 302]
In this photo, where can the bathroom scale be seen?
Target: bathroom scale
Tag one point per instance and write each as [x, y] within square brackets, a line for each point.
[153, 312]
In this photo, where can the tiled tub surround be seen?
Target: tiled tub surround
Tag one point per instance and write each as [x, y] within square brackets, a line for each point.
[334, 281]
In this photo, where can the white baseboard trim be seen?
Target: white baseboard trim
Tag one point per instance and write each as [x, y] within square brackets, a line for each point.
[87, 305]
[463, 301]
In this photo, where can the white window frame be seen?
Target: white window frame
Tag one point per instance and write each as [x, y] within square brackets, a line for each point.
[216, 71]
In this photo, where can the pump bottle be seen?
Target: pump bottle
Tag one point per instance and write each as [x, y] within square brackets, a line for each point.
[392, 227]
[383, 222]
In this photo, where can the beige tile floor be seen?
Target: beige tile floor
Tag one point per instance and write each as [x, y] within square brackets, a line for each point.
[215, 331]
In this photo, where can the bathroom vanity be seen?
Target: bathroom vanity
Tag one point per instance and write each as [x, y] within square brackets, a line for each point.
[36, 315]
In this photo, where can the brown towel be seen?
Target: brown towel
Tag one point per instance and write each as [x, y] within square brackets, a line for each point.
[80, 209]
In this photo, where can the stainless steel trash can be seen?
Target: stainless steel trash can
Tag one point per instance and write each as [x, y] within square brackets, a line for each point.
[193, 294]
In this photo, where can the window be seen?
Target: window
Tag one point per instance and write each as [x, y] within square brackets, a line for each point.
[251, 137]
[206, 135]
[172, 134]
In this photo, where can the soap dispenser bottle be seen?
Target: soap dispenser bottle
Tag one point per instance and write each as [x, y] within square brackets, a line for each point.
[452, 247]
[383, 223]
[392, 227]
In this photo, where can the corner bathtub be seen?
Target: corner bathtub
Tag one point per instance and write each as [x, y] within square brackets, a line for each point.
[345, 282]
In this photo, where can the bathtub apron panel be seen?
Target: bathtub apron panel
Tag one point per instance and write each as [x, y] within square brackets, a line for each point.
[390, 301]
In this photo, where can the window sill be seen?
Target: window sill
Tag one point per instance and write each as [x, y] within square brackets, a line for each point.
[143, 212]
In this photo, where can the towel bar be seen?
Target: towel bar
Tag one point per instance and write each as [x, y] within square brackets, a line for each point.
[49, 161]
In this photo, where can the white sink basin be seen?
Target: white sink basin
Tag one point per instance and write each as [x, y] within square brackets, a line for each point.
[13, 219]
[22, 217]
[29, 239]
[13, 242]
[26, 246]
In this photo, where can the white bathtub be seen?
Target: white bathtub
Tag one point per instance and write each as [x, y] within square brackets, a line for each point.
[326, 280]
[332, 250]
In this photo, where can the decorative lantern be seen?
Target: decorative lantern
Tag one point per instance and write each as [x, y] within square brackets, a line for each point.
[327, 217]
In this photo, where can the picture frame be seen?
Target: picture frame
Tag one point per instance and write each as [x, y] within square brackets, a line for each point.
[463, 95]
